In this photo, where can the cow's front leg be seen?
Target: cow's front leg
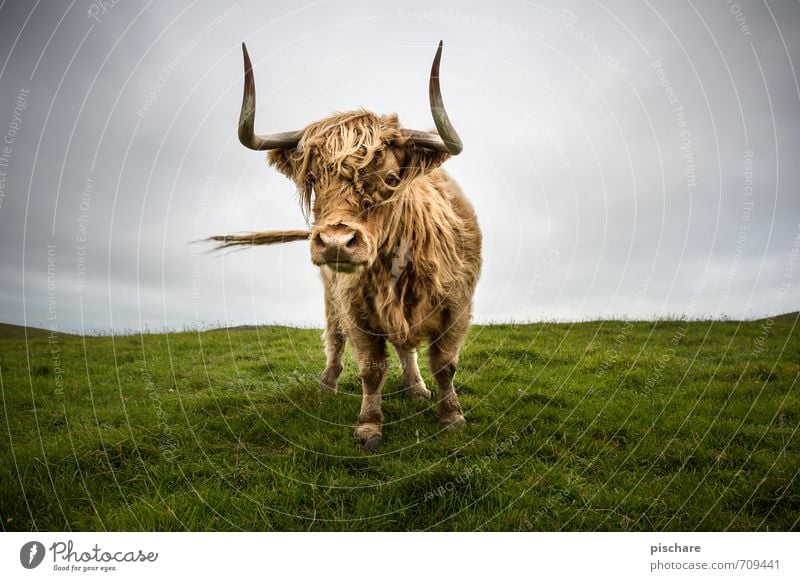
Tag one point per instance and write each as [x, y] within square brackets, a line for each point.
[371, 355]
[413, 384]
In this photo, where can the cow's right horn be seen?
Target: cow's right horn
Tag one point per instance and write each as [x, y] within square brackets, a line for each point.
[247, 117]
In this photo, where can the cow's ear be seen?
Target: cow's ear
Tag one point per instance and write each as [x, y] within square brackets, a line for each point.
[280, 160]
[419, 161]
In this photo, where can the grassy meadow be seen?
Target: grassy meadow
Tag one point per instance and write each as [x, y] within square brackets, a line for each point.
[608, 425]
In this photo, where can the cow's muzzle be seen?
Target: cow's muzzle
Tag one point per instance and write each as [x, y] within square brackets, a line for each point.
[340, 247]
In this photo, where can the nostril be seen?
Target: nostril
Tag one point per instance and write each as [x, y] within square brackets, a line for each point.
[353, 241]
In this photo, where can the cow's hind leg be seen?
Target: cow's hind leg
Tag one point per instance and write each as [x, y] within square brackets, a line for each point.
[413, 384]
[334, 349]
[443, 360]
[334, 346]
[371, 354]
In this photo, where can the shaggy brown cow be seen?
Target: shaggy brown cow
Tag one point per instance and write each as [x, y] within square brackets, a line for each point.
[397, 243]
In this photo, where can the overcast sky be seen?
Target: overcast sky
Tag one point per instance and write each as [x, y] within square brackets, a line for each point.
[624, 159]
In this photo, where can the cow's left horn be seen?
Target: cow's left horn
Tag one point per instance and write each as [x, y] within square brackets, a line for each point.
[247, 117]
[448, 139]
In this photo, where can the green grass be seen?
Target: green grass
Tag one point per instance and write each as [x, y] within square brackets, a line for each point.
[605, 425]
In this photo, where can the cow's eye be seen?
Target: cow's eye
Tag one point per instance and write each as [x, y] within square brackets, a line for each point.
[392, 180]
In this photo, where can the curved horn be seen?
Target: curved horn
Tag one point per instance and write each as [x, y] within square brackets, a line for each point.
[448, 139]
[247, 117]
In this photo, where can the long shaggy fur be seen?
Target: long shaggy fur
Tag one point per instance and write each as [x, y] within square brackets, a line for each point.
[423, 223]
[422, 241]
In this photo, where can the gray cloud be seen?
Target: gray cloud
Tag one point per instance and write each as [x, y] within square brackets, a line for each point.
[597, 195]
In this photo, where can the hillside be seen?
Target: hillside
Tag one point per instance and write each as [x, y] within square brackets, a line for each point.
[8, 331]
[592, 426]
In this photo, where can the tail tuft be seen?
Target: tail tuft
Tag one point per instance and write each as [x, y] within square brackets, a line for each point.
[258, 238]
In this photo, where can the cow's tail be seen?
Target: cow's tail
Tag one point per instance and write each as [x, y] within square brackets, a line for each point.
[258, 238]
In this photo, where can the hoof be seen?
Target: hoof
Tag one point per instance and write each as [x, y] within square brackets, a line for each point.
[369, 436]
[328, 387]
[453, 421]
[419, 392]
[329, 381]
[370, 444]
